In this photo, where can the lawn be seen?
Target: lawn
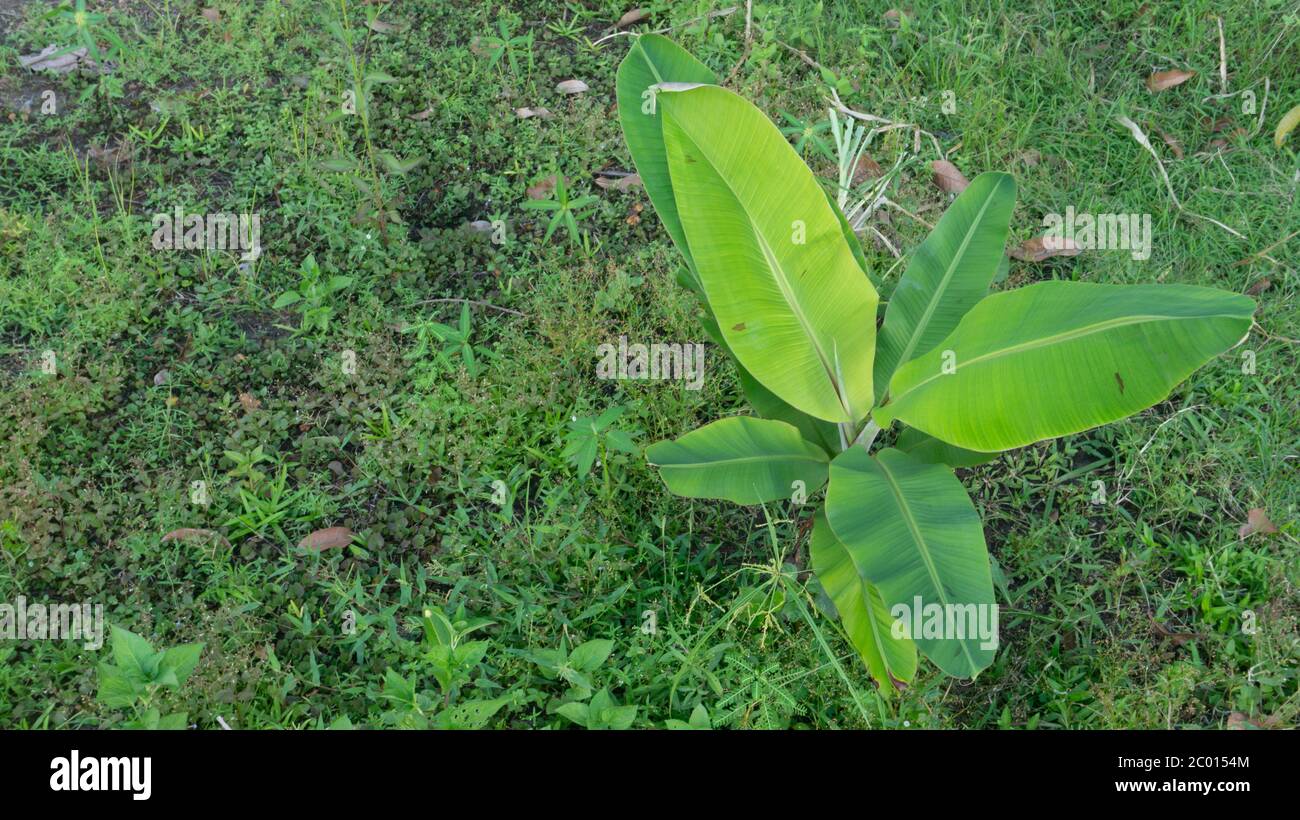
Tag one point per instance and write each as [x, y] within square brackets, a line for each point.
[447, 235]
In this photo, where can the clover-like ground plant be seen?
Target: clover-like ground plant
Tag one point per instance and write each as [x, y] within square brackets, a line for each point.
[967, 374]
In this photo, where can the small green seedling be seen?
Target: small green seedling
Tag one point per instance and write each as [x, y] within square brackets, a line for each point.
[565, 211]
[139, 674]
[312, 296]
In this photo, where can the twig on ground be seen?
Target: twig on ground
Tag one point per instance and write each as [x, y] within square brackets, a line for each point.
[477, 302]
[709, 16]
[1141, 137]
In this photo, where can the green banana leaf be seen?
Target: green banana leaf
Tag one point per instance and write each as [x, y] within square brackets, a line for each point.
[652, 60]
[822, 433]
[933, 451]
[1056, 358]
[948, 274]
[890, 660]
[789, 295]
[913, 532]
[740, 459]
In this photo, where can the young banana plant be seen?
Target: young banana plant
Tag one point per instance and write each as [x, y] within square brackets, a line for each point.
[783, 285]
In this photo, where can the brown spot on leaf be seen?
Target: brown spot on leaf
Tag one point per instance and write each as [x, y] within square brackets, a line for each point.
[1120, 381]
[738, 327]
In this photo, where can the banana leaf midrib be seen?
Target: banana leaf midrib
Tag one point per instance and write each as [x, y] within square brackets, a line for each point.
[779, 274]
[922, 548]
[1066, 336]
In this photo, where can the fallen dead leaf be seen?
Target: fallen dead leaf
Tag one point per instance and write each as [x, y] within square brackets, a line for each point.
[109, 157]
[1259, 287]
[1224, 143]
[1174, 145]
[542, 189]
[1162, 80]
[571, 87]
[1240, 721]
[328, 538]
[249, 401]
[1178, 638]
[866, 169]
[947, 177]
[1256, 522]
[633, 16]
[1044, 247]
[380, 27]
[619, 183]
[422, 115]
[526, 113]
[1215, 126]
[52, 60]
[190, 534]
[211, 15]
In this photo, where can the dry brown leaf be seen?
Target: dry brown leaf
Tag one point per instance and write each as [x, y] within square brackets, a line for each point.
[571, 87]
[49, 59]
[211, 15]
[1174, 145]
[249, 401]
[1044, 247]
[380, 27]
[1162, 80]
[619, 183]
[422, 115]
[1215, 126]
[1224, 143]
[542, 189]
[1241, 721]
[633, 16]
[1259, 287]
[111, 156]
[947, 177]
[1178, 638]
[189, 534]
[526, 113]
[328, 538]
[1256, 522]
[867, 169]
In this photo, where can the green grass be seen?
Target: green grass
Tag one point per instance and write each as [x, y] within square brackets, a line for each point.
[1127, 614]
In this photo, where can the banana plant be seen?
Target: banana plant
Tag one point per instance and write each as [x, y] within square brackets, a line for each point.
[966, 374]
